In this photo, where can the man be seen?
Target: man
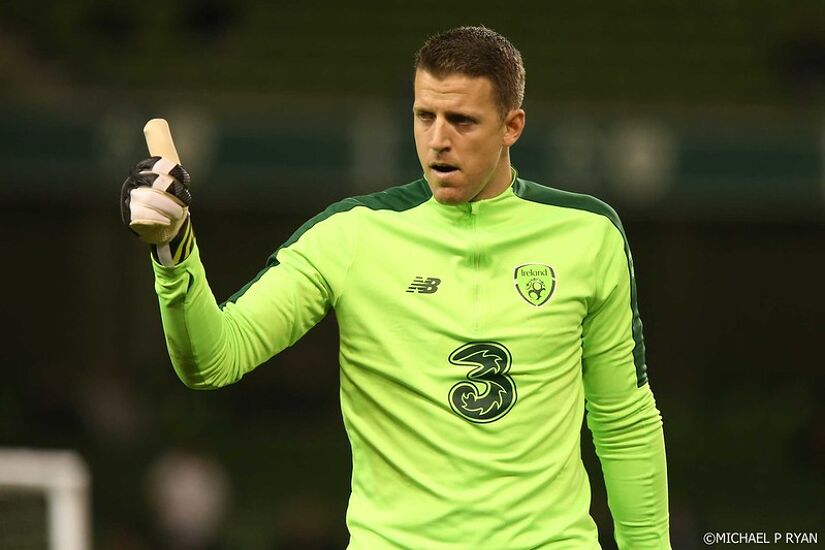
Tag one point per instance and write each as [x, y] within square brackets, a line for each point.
[479, 314]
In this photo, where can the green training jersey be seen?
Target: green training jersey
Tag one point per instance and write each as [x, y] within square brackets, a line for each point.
[472, 338]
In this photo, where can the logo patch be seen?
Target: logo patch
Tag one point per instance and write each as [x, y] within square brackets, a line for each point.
[424, 286]
[536, 283]
[489, 392]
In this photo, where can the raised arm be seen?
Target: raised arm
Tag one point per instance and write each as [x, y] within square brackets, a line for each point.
[213, 345]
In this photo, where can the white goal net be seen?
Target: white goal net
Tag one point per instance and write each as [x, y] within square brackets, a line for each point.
[44, 500]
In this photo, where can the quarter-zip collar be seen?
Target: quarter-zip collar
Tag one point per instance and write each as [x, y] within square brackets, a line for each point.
[492, 206]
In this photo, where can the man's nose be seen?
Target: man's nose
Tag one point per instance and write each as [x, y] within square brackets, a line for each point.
[440, 137]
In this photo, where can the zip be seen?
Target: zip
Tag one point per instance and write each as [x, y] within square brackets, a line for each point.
[473, 213]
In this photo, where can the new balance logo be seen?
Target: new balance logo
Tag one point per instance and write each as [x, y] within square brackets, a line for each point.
[424, 286]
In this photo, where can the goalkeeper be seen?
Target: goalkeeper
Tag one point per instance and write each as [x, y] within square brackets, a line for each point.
[480, 315]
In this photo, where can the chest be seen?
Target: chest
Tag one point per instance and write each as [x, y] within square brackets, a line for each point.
[471, 280]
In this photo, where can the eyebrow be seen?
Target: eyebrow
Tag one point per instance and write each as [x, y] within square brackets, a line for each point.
[452, 116]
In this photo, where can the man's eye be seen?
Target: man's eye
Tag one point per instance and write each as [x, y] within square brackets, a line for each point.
[462, 121]
[424, 116]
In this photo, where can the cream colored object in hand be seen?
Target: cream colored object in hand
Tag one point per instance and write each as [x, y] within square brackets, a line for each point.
[159, 140]
[156, 220]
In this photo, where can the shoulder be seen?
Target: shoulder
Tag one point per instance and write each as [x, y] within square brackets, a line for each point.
[399, 198]
[587, 205]
[340, 214]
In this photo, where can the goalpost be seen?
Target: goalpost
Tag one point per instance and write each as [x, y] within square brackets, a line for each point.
[44, 500]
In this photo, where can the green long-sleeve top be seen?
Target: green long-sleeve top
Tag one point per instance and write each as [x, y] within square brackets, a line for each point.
[472, 339]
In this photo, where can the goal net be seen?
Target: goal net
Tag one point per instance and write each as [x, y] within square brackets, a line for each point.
[44, 500]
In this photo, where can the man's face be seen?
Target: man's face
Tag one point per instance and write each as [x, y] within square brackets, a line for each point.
[461, 139]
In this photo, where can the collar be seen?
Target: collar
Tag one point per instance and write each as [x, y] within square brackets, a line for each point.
[459, 211]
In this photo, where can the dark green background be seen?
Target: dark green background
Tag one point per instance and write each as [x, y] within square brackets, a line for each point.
[298, 104]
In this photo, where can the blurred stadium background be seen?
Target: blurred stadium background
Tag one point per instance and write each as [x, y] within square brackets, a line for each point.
[702, 123]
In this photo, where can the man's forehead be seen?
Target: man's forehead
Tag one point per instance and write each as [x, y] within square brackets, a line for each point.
[457, 87]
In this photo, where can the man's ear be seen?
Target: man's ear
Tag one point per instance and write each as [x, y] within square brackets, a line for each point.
[513, 126]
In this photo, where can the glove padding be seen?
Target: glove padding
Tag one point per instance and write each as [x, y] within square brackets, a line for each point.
[154, 204]
[155, 200]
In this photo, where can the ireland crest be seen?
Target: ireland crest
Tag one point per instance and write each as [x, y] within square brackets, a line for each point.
[535, 283]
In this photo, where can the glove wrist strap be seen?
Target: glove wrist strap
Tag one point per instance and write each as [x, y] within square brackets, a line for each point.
[178, 249]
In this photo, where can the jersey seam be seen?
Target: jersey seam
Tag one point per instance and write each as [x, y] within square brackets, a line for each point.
[595, 272]
[600, 265]
[353, 252]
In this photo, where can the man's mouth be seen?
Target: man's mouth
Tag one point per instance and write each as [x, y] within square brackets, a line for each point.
[443, 168]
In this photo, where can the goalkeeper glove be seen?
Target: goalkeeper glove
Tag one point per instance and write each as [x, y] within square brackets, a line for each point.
[154, 204]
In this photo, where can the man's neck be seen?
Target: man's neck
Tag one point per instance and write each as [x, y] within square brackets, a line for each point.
[503, 180]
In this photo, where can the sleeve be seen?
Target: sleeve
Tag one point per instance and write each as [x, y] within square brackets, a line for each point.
[621, 410]
[213, 345]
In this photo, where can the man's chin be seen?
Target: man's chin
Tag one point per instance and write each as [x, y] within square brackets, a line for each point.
[449, 196]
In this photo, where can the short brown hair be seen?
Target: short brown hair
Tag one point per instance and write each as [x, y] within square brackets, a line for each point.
[477, 51]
